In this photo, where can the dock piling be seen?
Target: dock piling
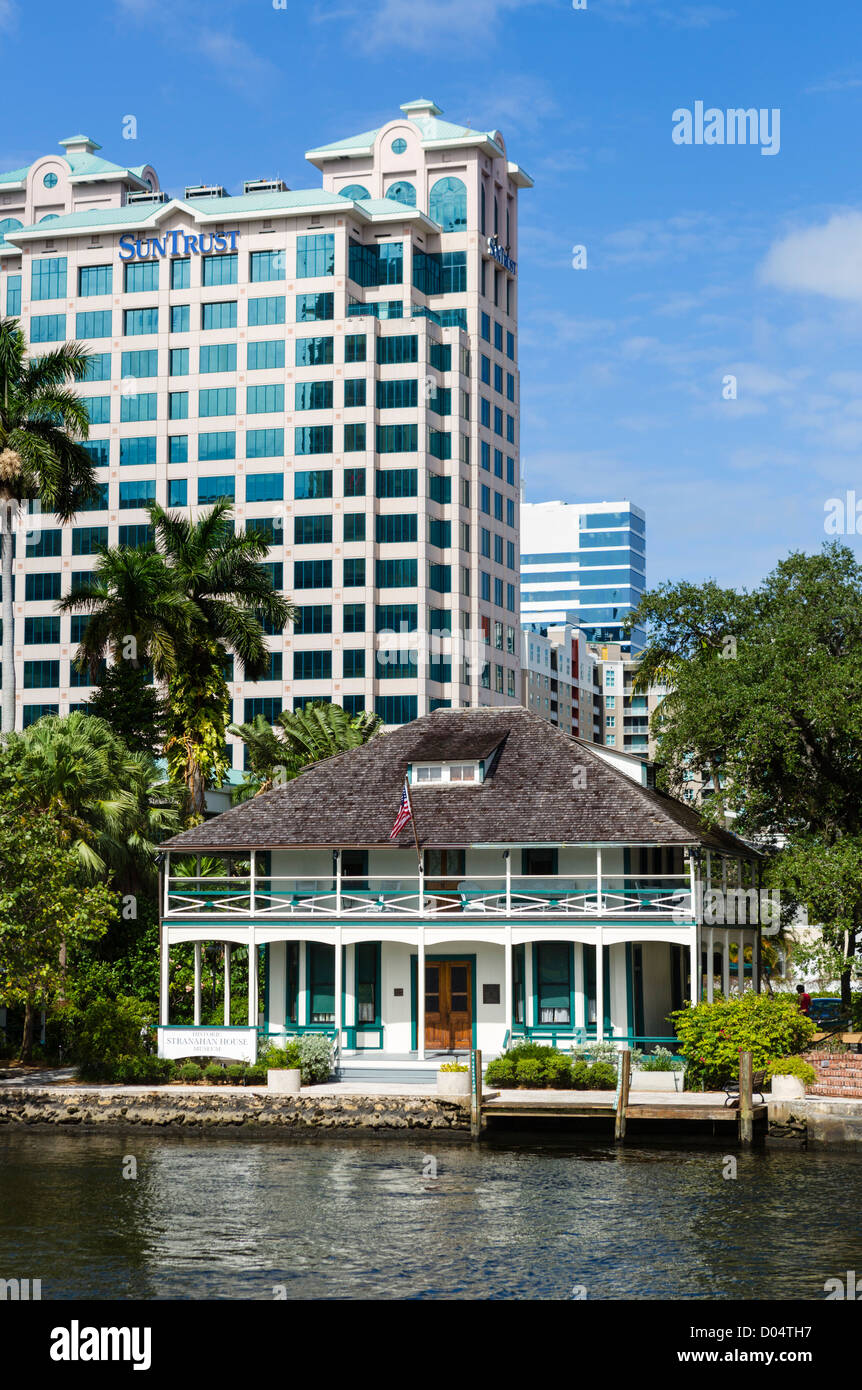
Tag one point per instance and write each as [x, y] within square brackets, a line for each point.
[746, 1099]
[623, 1095]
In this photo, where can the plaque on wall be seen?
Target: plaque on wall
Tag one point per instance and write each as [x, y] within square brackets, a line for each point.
[490, 994]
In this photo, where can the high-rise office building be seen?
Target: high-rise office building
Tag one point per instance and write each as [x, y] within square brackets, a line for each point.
[339, 361]
[584, 564]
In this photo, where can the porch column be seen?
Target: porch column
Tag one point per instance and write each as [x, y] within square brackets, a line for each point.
[725, 963]
[740, 963]
[164, 976]
[197, 984]
[166, 885]
[710, 968]
[339, 986]
[420, 991]
[694, 966]
[226, 985]
[507, 978]
[600, 981]
[252, 883]
[252, 979]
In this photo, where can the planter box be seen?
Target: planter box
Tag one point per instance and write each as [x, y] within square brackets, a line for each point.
[657, 1080]
[787, 1088]
[285, 1080]
[453, 1083]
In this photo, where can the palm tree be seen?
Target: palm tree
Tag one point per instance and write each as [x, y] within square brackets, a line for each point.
[136, 612]
[278, 753]
[41, 457]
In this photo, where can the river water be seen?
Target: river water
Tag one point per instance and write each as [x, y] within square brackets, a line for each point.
[427, 1218]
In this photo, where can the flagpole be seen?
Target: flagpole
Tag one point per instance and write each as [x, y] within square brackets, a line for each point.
[413, 823]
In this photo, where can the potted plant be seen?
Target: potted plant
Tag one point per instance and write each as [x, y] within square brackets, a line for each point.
[660, 1070]
[789, 1076]
[283, 1073]
[453, 1079]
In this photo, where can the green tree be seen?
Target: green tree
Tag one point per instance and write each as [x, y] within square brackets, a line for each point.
[44, 906]
[42, 459]
[826, 879]
[130, 704]
[767, 698]
[277, 753]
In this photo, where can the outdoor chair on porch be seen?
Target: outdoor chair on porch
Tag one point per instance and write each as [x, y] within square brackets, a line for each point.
[475, 898]
[731, 1088]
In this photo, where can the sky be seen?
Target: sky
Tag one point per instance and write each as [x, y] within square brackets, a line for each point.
[700, 354]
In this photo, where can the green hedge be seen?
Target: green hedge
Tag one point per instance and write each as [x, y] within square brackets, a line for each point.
[766, 1025]
[538, 1066]
[149, 1071]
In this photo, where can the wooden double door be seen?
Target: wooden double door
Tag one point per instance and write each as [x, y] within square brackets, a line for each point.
[448, 1005]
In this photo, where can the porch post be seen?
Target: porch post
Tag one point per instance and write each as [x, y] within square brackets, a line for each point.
[507, 855]
[252, 887]
[252, 978]
[227, 985]
[598, 878]
[420, 991]
[694, 963]
[710, 966]
[167, 882]
[338, 881]
[339, 986]
[164, 976]
[725, 963]
[507, 977]
[197, 984]
[530, 1019]
[740, 962]
[600, 978]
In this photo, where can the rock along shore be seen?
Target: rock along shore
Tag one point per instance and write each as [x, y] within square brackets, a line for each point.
[213, 1107]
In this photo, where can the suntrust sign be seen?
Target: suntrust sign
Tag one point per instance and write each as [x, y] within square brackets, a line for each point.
[500, 256]
[176, 243]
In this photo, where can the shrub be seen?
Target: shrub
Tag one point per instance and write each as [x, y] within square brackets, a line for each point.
[768, 1026]
[255, 1076]
[662, 1059]
[236, 1073]
[315, 1058]
[558, 1071]
[214, 1072]
[530, 1071]
[283, 1058]
[157, 1069]
[580, 1075]
[595, 1052]
[106, 1029]
[501, 1072]
[189, 1071]
[793, 1066]
[126, 1070]
[453, 1066]
[602, 1077]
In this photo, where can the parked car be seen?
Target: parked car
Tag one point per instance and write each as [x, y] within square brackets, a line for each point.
[826, 1011]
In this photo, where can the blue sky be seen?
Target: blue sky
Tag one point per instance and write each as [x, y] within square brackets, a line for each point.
[703, 261]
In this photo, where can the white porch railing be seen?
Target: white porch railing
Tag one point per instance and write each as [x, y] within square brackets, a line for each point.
[494, 895]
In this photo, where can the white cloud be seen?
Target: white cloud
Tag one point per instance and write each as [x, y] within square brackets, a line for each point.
[423, 24]
[823, 260]
[681, 16]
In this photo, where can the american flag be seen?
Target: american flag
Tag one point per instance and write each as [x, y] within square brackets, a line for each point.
[405, 813]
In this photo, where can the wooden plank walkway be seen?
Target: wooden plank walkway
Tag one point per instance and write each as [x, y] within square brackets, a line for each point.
[662, 1107]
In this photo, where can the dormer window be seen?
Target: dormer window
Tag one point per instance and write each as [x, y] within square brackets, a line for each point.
[442, 774]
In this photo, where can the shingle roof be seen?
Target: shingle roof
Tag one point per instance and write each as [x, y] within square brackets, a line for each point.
[530, 797]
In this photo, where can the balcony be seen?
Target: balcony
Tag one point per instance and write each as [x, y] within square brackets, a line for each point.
[509, 897]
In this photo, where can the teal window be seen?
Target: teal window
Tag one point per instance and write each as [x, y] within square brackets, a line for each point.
[219, 444]
[181, 273]
[353, 617]
[94, 279]
[440, 356]
[447, 204]
[275, 571]
[397, 395]
[439, 620]
[267, 705]
[220, 270]
[264, 487]
[439, 533]
[264, 444]
[313, 620]
[553, 982]
[33, 713]
[140, 277]
[211, 489]
[314, 352]
[439, 488]
[8, 224]
[136, 537]
[312, 574]
[396, 482]
[396, 709]
[93, 324]
[396, 439]
[353, 704]
[219, 315]
[141, 406]
[312, 307]
[267, 356]
[440, 578]
[263, 400]
[89, 540]
[498, 336]
[399, 146]
[312, 530]
[356, 191]
[13, 292]
[48, 278]
[39, 675]
[321, 971]
[178, 405]
[404, 347]
[315, 255]
[313, 395]
[138, 452]
[313, 439]
[267, 265]
[396, 527]
[427, 272]
[41, 588]
[354, 482]
[178, 448]
[396, 574]
[180, 318]
[78, 626]
[99, 451]
[266, 311]
[380, 263]
[179, 362]
[354, 526]
[99, 501]
[402, 192]
[217, 357]
[312, 666]
[354, 438]
[98, 409]
[39, 632]
[396, 617]
[441, 401]
[439, 444]
[178, 492]
[50, 181]
[140, 364]
[453, 269]
[354, 573]
[273, 671]
[353, 663]
[140, 321]
[140, 493]
[312, 483]
[510, 345]
[354, 392]
[79, 678]
[219, 400]
[354, 347]
[268, 527]
[47, 328]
